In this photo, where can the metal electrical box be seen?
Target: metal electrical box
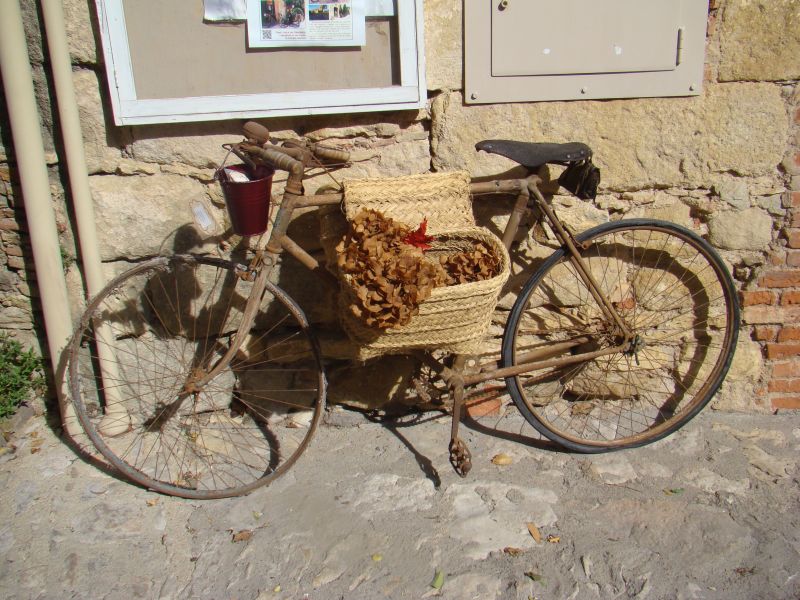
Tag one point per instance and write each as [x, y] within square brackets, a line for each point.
[520, 50]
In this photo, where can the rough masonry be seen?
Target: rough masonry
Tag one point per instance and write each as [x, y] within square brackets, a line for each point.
[726, 164]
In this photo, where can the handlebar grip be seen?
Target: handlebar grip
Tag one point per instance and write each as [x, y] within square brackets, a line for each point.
[331, 154]
[256, 131]
[277, 159]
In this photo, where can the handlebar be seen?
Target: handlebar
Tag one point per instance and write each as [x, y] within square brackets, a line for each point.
[259, 135]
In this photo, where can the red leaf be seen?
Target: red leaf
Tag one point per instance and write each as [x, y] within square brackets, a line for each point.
[418, 238]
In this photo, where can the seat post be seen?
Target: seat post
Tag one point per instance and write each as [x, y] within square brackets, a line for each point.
[514, 219]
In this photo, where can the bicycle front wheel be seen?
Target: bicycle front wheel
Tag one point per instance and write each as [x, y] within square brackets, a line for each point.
[672, 291]
[137, 364]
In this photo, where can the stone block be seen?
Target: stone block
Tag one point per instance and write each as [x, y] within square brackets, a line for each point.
[578, 215]
[676, 212]
[16, 317]
[196, 145]
[30, 19]
[735, 193]
[638, 144]
[759, 315]
[397, 158]
[771, 204]
[749, 229]
[101, 142]
[142, 216]
[9, 224]
[80, 37]
[747, 361]
[443, 44]
[17, 263]
[760, 40]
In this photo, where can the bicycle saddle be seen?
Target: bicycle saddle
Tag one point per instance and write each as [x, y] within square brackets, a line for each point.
[534, 155]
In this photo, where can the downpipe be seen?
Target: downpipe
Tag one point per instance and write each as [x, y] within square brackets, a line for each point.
[32, 166]
[116, 419]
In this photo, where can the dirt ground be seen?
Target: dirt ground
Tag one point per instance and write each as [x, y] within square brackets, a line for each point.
[374, 511]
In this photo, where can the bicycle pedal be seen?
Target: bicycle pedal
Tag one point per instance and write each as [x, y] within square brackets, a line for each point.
[460, 457]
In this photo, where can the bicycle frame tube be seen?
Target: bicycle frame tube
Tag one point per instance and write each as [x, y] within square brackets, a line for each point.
[567, 242]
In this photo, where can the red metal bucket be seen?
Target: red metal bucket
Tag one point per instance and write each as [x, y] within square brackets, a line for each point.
[248, 202]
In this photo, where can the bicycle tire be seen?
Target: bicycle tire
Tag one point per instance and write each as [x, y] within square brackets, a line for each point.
[134, 368]
[674, 292]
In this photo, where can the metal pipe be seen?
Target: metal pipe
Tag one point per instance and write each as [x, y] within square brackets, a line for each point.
[115, 420]
[53, 13]
[32, 166]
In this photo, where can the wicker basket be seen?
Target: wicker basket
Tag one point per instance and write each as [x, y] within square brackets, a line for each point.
[454, 318]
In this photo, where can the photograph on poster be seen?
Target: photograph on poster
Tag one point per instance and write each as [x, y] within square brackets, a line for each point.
[276, 23]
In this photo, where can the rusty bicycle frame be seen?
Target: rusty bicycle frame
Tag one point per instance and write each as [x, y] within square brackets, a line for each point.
[294, 159]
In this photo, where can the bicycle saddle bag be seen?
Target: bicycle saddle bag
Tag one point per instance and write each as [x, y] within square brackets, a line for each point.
[581, 178]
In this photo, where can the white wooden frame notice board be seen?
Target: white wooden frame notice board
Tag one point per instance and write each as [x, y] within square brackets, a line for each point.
[166, 65]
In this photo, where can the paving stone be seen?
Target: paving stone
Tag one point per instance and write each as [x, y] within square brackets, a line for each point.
[485, 520]
[709, 481]
[613, 469]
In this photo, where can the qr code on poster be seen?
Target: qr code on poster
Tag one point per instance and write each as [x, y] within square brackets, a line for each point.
[266, 34]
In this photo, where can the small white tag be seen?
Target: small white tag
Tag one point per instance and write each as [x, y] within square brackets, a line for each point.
[202, 217]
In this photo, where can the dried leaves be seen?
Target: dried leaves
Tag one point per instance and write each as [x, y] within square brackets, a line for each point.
[463, 267]
[389, 277]
[242, 536]
[535, 533]
[502, 459]
[389, 273]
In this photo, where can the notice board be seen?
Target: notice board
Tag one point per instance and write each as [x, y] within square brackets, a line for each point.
[165, 64]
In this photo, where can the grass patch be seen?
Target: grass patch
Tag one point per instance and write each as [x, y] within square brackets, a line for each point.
[21, 372]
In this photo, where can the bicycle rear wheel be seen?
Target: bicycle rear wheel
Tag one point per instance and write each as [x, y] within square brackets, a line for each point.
[135, 369]
[671, 289]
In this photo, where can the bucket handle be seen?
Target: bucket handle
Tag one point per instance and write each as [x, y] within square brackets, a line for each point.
[244, 158]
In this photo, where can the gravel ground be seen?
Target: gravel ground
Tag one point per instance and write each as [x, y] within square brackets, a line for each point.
[374, 511]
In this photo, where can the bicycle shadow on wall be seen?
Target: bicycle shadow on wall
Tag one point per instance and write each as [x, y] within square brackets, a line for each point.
[171, 325]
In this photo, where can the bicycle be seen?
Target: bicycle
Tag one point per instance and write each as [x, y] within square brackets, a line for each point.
[197, 376]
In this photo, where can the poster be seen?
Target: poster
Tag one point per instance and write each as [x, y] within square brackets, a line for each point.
[287, 23]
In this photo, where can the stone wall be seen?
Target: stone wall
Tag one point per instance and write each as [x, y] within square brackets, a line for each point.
[726, 164]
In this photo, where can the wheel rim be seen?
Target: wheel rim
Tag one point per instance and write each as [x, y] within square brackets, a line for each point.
[137, 368]
[673, 292]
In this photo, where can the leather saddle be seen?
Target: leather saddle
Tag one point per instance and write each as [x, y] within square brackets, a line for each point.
[581, 177]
